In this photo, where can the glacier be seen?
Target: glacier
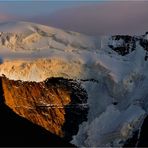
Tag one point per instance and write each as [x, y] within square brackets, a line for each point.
[117, 96]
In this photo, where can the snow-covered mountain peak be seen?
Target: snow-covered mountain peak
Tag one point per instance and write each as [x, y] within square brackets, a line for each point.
[20, 36]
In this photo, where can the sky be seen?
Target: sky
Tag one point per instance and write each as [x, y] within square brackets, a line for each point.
[90, 17]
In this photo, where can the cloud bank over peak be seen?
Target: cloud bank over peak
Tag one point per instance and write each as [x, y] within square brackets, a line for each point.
[92, 18]
[104, 18]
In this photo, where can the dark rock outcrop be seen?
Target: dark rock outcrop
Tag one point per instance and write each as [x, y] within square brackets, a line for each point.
[143, 139]
[125, 44]
[140, 137]
[132, 142]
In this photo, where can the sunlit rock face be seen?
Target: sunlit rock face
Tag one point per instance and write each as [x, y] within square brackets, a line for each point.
[57, 104]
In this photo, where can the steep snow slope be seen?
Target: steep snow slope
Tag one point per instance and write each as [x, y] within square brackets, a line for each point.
[112, 69]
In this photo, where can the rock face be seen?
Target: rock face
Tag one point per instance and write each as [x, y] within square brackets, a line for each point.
[17, 131]
[125, 44]
[122, 44]
[57, 104]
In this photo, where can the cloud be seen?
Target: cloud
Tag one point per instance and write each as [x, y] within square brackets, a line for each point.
[6, 17]
[94, 18]
[102, 18]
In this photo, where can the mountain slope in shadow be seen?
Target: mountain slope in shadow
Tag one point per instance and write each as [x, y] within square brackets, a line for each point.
[143, 140]
[17, 131]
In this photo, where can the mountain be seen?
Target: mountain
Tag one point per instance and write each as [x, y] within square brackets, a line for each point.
[111, 70]
[22, 36]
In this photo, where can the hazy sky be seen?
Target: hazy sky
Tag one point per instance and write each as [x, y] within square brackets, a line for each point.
[90, 17]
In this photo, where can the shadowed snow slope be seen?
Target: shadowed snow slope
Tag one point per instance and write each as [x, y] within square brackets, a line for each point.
[112, 69]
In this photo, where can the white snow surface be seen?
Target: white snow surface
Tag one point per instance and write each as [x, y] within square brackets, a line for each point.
[32, 52]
